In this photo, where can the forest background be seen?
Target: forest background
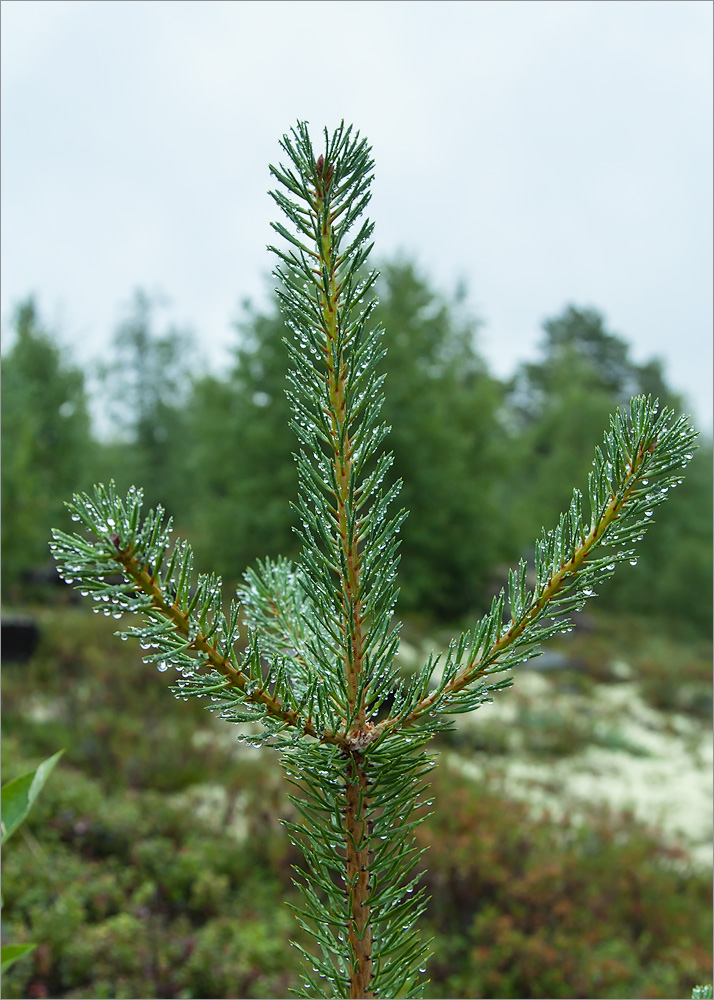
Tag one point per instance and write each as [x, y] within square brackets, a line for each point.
[472, 450]
[155, 862]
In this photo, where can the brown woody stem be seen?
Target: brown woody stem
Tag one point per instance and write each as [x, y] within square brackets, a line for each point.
[357, 872]
[357, 876]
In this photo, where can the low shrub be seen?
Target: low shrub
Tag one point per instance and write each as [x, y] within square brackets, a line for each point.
[137, 881]
[526, 907]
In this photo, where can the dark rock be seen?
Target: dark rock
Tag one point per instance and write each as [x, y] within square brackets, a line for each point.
[20, 635]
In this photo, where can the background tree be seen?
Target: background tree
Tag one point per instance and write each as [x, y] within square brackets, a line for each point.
[556, 405]
[240, 471]
[46, 443]
[580, 338]
[147, 382]
[447, 440]
[444, 408]
[558, 402]
[673, 578]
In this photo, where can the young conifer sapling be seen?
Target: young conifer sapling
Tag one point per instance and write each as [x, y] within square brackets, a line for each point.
[315, 673]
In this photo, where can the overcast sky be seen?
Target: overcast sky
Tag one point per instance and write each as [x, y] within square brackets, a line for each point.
[544, 152]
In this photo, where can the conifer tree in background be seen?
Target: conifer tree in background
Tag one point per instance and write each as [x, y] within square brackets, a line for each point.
[47, 450]
[317, 679]
[443, 408]
[238, 453]
[558, 404]
[673, 581]
[146, 381]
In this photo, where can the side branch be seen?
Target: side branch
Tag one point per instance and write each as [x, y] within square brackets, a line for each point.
[480, 664]
[639, 448]
[236, 678]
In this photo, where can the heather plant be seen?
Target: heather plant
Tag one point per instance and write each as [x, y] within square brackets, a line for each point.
[316, 677]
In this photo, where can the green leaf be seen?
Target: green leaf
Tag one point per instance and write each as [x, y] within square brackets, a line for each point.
[18, 796]
[11, 952]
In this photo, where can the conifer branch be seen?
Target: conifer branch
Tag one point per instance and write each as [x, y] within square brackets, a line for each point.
[642, 458]
[184, 623]
[349, 559]
[344, 583]
[320, 656]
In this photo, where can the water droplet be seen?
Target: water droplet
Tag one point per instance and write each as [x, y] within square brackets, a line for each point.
[162, 666]
[633, 561]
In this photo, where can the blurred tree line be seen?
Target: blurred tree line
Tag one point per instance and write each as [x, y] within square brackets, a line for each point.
[485, 464]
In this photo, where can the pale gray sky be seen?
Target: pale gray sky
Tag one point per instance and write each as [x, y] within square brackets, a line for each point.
[545, 152]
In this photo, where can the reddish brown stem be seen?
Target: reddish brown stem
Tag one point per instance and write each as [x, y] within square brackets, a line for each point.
[357, 872]
[357, 875]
